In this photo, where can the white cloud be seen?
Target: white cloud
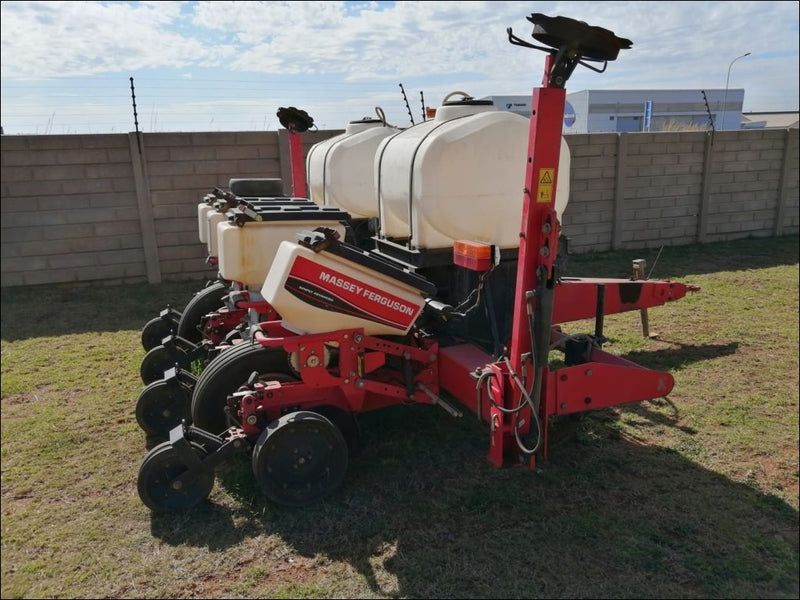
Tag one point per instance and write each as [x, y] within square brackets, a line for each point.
[334, 56]
[68, 39]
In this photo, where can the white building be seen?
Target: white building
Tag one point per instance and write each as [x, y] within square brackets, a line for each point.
[780, 120]
[595, 111]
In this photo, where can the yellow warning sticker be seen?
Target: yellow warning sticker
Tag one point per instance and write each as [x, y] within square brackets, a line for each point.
[544, 192]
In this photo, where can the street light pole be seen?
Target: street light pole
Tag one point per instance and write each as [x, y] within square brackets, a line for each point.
[725, 98]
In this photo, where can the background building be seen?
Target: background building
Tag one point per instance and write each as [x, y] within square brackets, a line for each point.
[770, 119]
[597, 111]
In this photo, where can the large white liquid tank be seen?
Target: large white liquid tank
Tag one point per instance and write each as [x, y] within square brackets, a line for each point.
[463, 179]
[394, 160]
[339, 169]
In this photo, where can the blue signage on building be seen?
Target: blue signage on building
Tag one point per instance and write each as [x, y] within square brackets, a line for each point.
[569, 115]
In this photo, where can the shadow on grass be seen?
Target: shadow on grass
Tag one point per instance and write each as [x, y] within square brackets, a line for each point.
[603, 518]
[673, 262]
[46, 311]
[675, 359]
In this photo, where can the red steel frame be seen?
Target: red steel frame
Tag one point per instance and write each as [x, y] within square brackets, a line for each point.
[517, 397]
[361, 382]
[299, 188]
[522, 394]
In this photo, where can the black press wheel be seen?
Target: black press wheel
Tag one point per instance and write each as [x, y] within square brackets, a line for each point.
[347, 424]
[157, 486]
[300, 458]
[159, 359]
[161, 406]
[226, 373]
[207, 300]
[155, 330]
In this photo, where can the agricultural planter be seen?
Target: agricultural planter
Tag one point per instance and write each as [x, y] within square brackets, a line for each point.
[360, 331]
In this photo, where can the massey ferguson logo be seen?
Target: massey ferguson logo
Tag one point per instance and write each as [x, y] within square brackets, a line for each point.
[329, 290]
[354, 288]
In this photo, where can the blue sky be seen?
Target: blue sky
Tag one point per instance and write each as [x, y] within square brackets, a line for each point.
[228, 66]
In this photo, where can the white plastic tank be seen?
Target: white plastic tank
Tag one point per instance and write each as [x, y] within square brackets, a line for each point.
[315, 292]
[213, 218]
[246, 252]
[394, 160]
[459, 179]
[339, 169]
[203, 210]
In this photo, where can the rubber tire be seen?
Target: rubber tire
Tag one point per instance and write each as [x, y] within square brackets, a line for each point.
[158, 360]
[300, 470]
[207, 300]
[160, 407]
[225, 374]
[155, 330]
[158, 468]
[257, 188]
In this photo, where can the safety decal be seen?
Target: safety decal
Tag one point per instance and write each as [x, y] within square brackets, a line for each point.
[544, 192]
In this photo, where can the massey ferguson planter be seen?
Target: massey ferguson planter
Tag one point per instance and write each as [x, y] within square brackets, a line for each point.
[468, 330]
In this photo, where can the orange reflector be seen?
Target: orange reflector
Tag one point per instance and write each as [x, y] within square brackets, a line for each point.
[472, 255]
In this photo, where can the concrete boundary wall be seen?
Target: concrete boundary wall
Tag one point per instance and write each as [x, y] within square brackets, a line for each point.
[122, 207]
[647, 190]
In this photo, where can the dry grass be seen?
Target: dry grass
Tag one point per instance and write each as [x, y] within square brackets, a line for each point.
[694, 496]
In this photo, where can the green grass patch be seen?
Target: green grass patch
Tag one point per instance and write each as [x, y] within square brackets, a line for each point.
[693, 496]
